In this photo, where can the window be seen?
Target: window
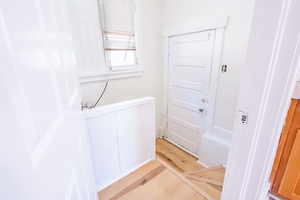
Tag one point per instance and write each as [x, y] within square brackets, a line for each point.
[120, 50]
[118, 24]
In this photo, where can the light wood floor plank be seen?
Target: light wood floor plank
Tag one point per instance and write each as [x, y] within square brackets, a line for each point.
[166, 186]
[175, 157]
[140, 182]
[183, 163]
[150, 182]
[117, 187]
[165, 179]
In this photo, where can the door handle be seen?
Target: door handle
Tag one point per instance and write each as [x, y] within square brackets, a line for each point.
[201, 110]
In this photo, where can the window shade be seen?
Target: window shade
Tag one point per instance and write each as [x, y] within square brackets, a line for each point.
[119, 15]
[118, 21]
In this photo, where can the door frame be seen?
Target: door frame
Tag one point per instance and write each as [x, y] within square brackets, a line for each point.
[218, 25]
[276, 63]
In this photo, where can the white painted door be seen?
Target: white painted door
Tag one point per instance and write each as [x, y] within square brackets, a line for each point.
[43, 145]
[190, 74]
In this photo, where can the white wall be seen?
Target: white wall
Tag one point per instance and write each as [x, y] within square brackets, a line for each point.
[236, 37]
[148, 27]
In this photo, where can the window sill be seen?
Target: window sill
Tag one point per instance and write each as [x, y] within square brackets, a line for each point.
[97, 77]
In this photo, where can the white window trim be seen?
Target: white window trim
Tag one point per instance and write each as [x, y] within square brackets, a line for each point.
[111, 75]
[123, 68]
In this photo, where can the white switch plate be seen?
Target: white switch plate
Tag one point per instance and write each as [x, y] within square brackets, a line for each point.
[243, 117]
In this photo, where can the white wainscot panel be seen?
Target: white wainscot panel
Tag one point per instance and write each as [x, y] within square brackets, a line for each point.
[105, 155]
[122, 138]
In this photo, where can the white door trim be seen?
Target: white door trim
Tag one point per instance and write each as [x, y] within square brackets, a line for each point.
[215, 77]
[193, 27]
[273, 47]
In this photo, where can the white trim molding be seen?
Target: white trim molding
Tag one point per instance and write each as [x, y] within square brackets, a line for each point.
[205, 24]
[162, 125]
[99, 111]
[214, 147]
[101, 187]
[96, 77]
[296, 93]
[224, 134]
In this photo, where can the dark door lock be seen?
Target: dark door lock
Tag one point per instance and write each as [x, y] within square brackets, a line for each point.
[224, 68]
[243, 117]
[201, 110]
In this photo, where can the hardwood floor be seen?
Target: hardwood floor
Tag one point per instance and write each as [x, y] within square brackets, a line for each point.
[175, 157]
[175, 175]
[153, 181]
[206, 181]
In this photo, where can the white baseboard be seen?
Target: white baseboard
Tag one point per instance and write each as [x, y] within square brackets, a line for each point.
[193, 154]
[203, 164]
[198, 161]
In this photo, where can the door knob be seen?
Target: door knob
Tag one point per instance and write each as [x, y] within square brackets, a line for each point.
[203, 100]
[201, 110]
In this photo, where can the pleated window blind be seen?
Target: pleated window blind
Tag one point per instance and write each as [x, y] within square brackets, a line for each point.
[118, 25]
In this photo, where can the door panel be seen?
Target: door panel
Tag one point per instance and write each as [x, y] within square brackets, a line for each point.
[186, 113]
[285, 174]
[38, 40]
[187, 95]
[184, 130]
[186, 49]
[290, 186]
[199, 75]
[190, 70]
